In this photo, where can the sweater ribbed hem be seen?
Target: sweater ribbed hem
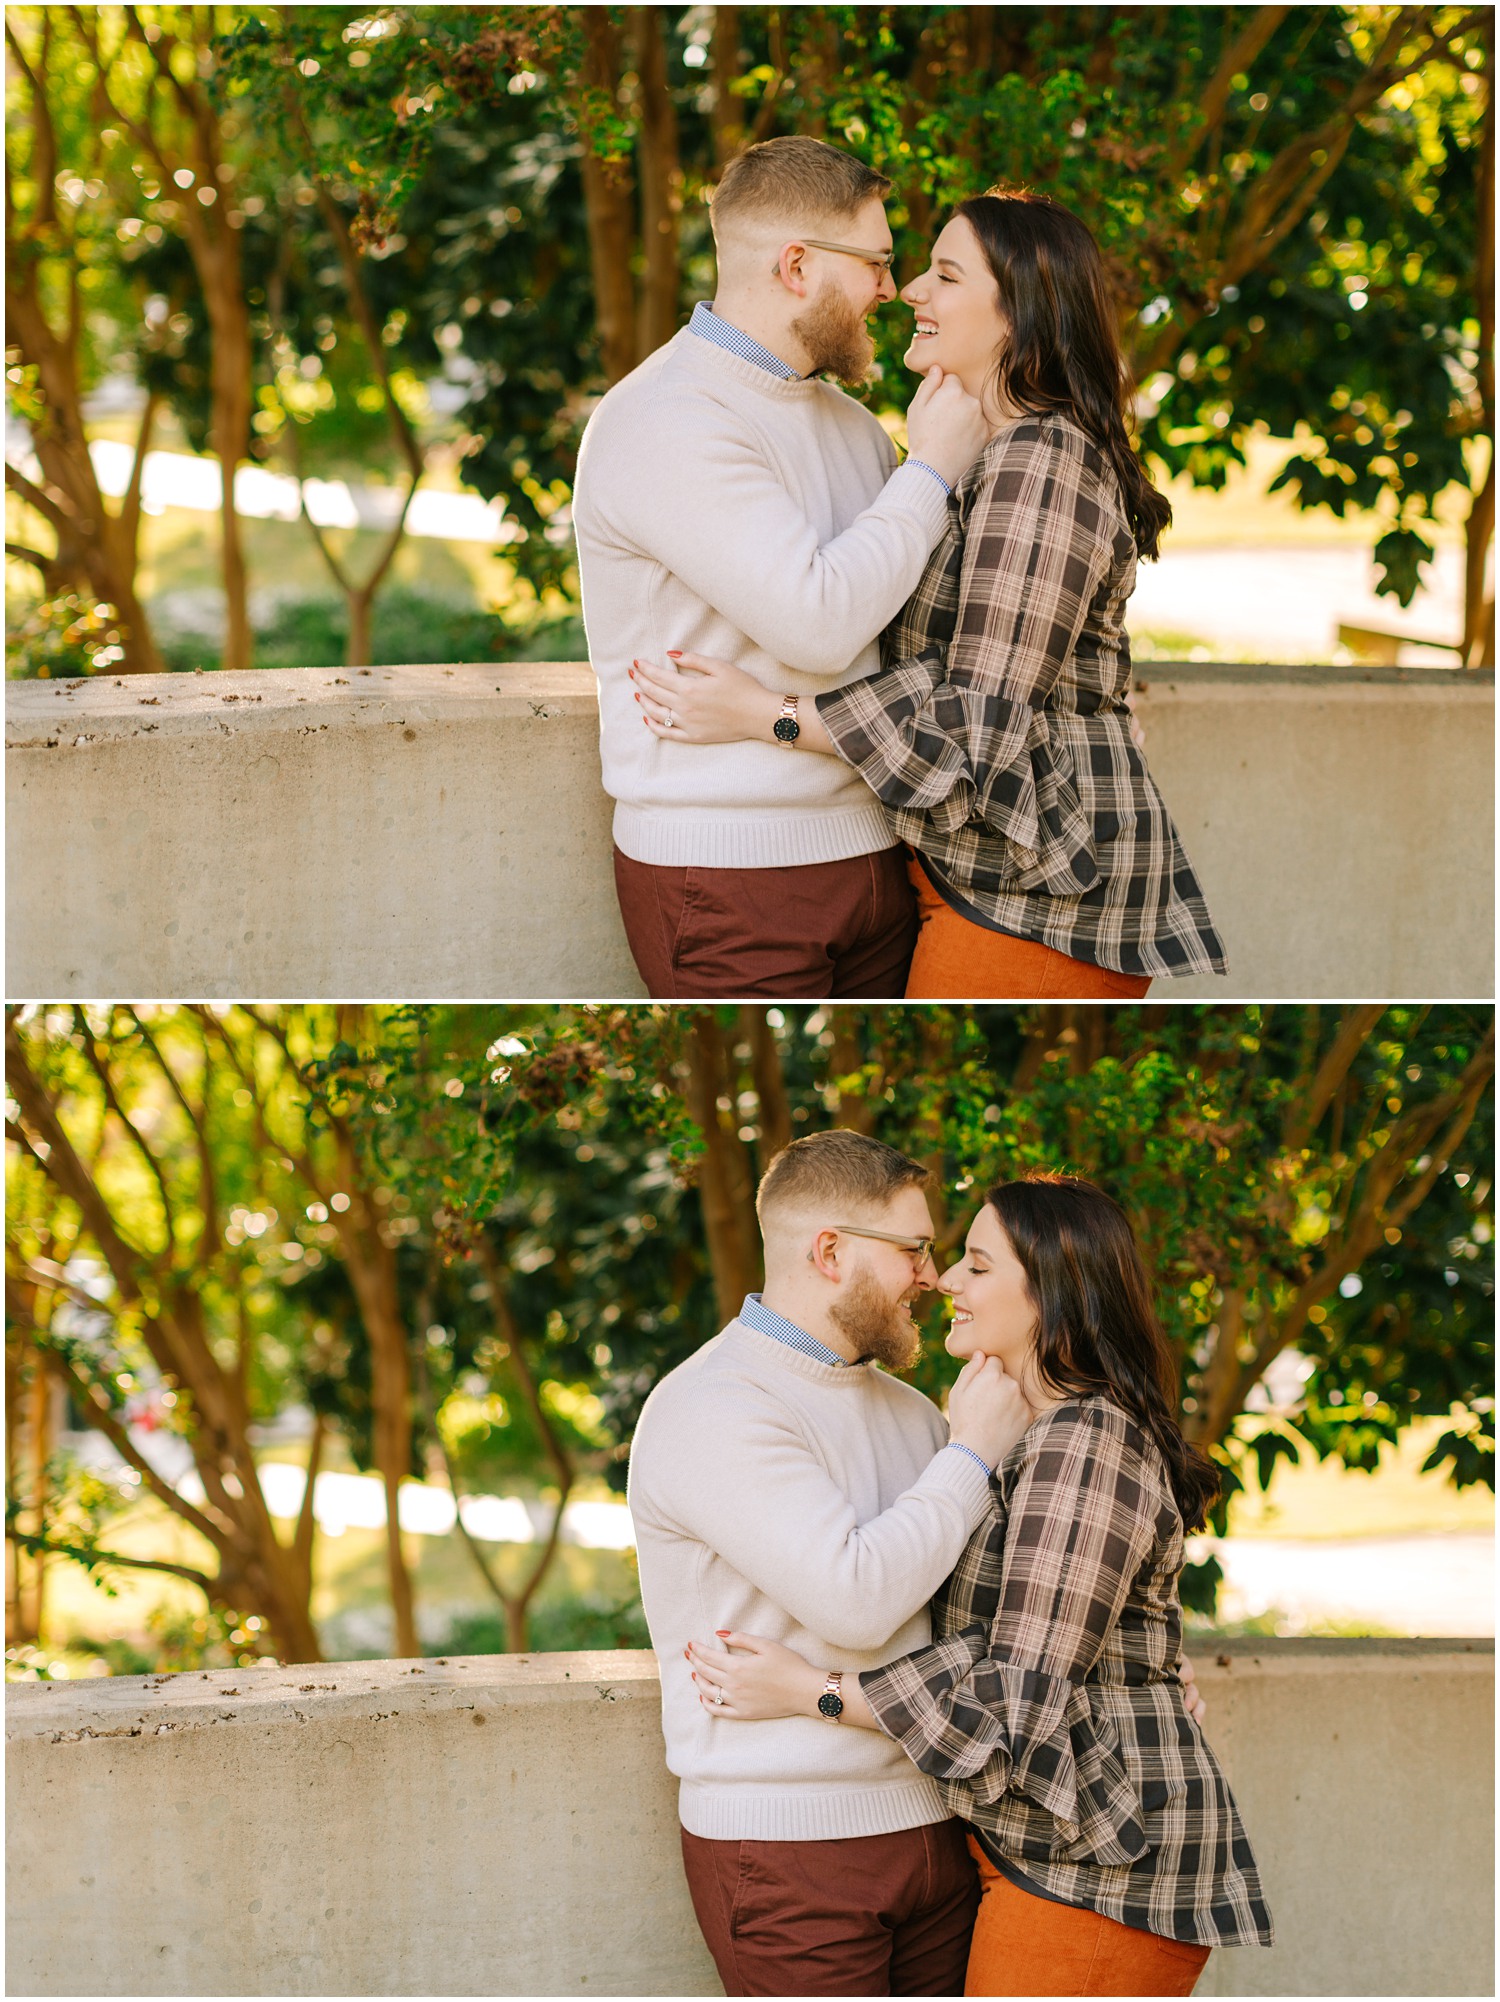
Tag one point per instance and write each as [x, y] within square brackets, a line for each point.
[769, 837]
[743, 1814]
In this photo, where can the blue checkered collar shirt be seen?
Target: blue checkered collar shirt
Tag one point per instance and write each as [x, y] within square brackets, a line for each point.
[709, 326]
[766, 1321]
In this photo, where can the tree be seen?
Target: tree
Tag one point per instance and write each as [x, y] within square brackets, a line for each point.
[308, 175]
[1300, 1178]
[240, 1182]
[1296, 205]
[1293, 202]
[133, 1257]
[479, 1235]
[62, 273]
[116, 104]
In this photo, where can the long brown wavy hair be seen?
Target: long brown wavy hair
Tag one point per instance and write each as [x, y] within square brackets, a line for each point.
[1097, 1331]
[1061, 351]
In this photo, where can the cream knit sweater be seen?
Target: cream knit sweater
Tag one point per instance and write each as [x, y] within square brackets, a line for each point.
[720, 510]
[773, 1494]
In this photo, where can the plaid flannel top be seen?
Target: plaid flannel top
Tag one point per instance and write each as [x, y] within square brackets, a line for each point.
[1049, 1707]
[997, 733]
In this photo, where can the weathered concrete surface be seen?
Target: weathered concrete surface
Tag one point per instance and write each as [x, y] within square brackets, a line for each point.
[408, 832]
[1365, 1774]
[1342, 823]
[480, 1827]
[506, 1827]
[441, 832]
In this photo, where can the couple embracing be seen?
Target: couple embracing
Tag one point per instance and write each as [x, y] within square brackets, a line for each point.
[866, 724]
[922, 1684]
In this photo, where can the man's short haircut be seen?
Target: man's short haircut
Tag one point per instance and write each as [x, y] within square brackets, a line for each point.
[835, 1172]
[793, 181]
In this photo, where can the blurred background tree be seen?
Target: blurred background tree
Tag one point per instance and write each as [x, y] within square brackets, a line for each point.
[470, 1240]
[1297, 205]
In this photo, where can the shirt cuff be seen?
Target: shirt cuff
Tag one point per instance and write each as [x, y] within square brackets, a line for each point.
[978, 1458]
[934, 472]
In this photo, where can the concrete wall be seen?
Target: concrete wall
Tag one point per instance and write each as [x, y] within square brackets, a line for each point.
[440, 832]
[506, 1827]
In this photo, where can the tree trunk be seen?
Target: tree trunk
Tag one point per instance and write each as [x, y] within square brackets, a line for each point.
[15, 1632]
[193, 147]
[40, 1441]
[357, 652]
[1479, 607]
[390, 1372]
[232, 398]
[607, 205]
[162, 1291]
[661, 184]
[770, 1087]
[94, 549]
[846, 1058]
[726, 113]
[724, 1181]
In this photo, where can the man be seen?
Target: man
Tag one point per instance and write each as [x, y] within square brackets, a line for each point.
[728, 502]
[780, 1484]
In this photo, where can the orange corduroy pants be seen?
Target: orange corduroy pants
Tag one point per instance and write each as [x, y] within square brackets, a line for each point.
[958, 960]
[1024, 1945]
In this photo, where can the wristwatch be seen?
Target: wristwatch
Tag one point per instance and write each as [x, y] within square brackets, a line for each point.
[830, 1703]
[786, 729]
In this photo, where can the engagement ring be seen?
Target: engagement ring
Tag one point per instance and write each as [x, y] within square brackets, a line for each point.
[671, 719]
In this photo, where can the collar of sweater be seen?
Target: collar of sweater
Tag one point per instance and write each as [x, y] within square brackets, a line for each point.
[764, 1352]
[709, 359]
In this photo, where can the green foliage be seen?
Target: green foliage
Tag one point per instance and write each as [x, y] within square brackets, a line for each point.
[1296, 254]
[82, 1504]
[1300, 1178]
[460, 138]
[61, 639]
[1183, 1116]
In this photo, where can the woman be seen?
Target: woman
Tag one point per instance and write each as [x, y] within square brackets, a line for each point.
[997, 731]
[1048, 1708]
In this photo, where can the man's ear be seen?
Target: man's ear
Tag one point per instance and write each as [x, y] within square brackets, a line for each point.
[823, 1254]
[789, 268]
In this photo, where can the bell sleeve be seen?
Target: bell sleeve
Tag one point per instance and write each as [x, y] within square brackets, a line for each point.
[960, 731]
[1004, 1709]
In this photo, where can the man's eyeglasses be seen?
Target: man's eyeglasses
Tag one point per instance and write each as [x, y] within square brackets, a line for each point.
[881, 259]
[921, 1248]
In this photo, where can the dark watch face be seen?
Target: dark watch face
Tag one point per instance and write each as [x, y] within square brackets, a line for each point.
[786, 729]
[828, 1703]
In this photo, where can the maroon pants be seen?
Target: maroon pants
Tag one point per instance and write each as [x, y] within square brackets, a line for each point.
[821, 931]
[857, 1915]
